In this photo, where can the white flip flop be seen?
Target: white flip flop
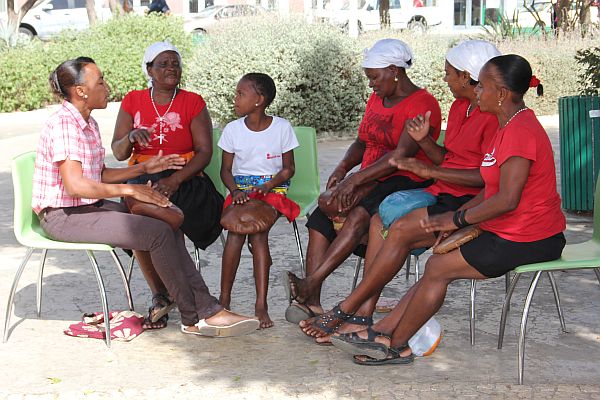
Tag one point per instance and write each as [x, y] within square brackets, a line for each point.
[238, 329]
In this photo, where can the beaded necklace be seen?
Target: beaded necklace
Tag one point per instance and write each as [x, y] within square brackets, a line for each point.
[161, 118]
[514, 115]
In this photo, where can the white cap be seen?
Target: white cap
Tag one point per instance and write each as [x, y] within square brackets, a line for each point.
[471, 55]
[386, 52]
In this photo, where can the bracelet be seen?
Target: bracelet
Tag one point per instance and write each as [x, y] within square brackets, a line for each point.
[463, 219]
[459, 219]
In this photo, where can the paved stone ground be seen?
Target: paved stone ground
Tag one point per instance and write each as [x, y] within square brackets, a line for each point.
[40, 362]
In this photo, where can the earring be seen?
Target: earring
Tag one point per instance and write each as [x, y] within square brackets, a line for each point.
[499, 103]
[85, 96]
[256, 105]
[395, 79]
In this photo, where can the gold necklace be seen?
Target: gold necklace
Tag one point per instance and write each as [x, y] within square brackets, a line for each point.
[161, 118]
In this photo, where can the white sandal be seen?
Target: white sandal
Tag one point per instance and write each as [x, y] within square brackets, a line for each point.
[240, 328]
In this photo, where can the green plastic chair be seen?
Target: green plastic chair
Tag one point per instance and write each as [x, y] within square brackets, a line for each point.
[305, 185]
[30, 234]
[575, 256]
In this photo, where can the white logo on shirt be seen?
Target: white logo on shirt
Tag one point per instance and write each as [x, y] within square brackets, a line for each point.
[488, 159]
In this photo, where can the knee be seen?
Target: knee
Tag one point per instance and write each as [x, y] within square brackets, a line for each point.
[357, 220]
[435, 271]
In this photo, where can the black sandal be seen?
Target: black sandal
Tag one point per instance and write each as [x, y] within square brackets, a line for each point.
[392, 357]
[353, 344]
[355, 320]
[161, 323]
[330, 322]
[161, 305]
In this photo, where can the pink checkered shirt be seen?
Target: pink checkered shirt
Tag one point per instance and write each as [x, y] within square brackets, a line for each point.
[66, 135]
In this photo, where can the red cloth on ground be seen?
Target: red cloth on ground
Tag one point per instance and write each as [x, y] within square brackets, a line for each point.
[381, 127]
[124, 326]
[538, 215]
[466, 141]
[177, 137]
[289, 208]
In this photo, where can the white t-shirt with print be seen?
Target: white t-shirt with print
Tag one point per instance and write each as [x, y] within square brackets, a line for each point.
[258, 153]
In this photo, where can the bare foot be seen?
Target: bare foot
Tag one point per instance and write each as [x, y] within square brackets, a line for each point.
[321, 325]
[225, 317]
[263, 316]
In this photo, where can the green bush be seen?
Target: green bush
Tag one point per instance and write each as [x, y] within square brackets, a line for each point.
[589, 76]
[117, 47]
[315, 67]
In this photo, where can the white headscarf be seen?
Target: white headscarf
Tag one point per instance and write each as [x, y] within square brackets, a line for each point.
[386, 52]
[471, 55]
[153, 51]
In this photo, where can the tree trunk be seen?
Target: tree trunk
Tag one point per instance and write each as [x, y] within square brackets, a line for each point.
[115, 7]
[384, 13]
[90, 7]
[15, 18]
[562, 14]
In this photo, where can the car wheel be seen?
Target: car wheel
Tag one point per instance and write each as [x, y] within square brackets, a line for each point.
[26, 33]
[198, 35]
[418, 26]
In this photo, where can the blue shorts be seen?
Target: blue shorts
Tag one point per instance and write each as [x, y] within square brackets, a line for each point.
[398, 204]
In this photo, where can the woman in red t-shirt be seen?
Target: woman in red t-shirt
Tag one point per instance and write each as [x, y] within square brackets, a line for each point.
[519, 211]
[355, 197]
[174, 121]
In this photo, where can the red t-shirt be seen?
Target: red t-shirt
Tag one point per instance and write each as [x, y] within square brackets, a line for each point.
[176, 134]
[466, 141]
[538, 215]
[381, 127]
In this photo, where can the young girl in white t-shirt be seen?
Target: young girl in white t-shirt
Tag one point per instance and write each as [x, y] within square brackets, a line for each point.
[258, 162]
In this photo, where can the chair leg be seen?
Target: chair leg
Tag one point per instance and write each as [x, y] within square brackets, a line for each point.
[356, 272]
[417, 272]
[407, 266]
[38, 297]
[557, 301]
[124, 278]
[197, 258]
[597, 271]
[102, 295]
[506, 307]
[523, 329]
[299, 245]
[130, 267]
[222, 237]
[472, 313]
[11, 295]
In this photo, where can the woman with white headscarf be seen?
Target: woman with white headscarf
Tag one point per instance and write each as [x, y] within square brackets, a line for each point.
[165, 118]
[456, 171]
[355, 197]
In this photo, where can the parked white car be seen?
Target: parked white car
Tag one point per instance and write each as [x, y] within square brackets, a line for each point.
[403, 15]
[49, 17]
[202, 22]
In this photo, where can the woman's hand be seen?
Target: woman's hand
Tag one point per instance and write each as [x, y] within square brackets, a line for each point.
[441, 222]
[344, 194]
[167, 186]
[239, 197]
[336, 177]
[147, 194]
[418, 127]
[413, 165]
[160, 163]
[141, 136]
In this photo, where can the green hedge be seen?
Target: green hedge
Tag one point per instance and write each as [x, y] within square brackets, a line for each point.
[117, 47]
[315, 67]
